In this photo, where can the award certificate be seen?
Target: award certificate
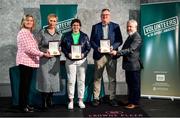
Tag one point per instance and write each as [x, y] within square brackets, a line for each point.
[105, 45]
[54, 48]
[76, 51]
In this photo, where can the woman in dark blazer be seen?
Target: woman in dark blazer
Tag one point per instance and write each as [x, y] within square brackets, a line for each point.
[76, 67]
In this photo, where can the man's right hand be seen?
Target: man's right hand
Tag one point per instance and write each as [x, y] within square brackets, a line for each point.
[99, 50]
[113, 52]
[70, 55]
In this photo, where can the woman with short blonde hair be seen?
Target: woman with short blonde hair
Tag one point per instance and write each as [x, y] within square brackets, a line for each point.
[48, 75]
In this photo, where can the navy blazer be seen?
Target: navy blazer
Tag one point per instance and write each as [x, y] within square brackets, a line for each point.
[114, 35]
[67, 41]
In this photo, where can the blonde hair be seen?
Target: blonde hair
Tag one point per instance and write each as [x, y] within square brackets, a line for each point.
[52, 16]
[24, 19]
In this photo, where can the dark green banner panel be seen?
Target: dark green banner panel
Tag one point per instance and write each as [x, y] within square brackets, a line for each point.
[160, 53]
[65, 13]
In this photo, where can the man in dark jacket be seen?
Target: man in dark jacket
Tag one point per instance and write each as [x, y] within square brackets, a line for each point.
[131, 63]
[109, 31]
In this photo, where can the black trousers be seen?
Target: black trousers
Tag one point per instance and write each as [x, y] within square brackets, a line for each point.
[24, 85]
[133, 83]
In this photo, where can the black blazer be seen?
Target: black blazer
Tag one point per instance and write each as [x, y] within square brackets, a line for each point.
[131, 53]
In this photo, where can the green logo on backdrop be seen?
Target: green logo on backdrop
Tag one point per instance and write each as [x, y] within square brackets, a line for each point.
[63, 26]
[161, 26]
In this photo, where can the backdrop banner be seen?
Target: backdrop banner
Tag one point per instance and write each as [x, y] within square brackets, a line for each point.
[65, 13]
[160, 53]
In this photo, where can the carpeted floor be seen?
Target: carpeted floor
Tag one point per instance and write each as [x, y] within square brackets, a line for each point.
[148, 108]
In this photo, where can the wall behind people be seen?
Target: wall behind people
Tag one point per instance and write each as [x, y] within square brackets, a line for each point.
[88, 11]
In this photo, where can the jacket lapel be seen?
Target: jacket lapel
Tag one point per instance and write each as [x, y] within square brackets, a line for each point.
[127, 42]
[80, 37]
[109, 30]
[71, 41]
[101, 31]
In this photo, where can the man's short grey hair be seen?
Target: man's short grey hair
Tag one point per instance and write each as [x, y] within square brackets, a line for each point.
[133, 21]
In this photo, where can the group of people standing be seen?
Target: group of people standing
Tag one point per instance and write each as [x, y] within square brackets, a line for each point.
[33, 54]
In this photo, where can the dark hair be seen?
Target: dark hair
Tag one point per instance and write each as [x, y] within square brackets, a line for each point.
[105, 9]
[75, 21]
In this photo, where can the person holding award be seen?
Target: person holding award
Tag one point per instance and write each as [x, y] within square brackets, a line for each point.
[48, 75]
[131, 63]
[105, 36]
[76, 46]
[27, 59]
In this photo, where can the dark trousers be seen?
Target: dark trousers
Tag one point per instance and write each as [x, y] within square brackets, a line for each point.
[133, 83]
[24, 85]
[46, 99]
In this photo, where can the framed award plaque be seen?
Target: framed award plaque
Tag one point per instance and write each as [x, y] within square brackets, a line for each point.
[76, 51]
[54, 48]
[105, 45]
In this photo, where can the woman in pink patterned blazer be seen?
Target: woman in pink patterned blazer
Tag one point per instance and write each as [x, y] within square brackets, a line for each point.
[27, 59]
